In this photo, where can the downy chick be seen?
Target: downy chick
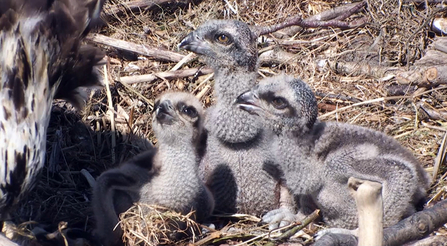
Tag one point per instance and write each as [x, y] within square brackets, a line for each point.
[237, 166]
[317, 158]
[166, 176]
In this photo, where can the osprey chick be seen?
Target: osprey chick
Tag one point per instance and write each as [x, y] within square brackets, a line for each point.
[166, 176]
[317, 158]
[237, 166]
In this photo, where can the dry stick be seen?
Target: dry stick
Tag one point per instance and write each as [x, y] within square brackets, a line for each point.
[128, 87]
[191, 56]
[337, 97]
[431, 112]
[136, 6]
[314, 215]
[166, 75]
[286, 235]
[379, 100]
[339, 13]
[319, 20]
[431, 241]
[203, 82]
[156, 53]
[306, 221]
[368, 198]
[417, 226]
[363, 103]
[203, 92]
[110, 111]
[211, 236]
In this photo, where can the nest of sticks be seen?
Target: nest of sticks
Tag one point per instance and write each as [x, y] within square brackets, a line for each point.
[359, 73]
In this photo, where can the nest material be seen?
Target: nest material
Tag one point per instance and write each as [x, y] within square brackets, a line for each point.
[396, 35]
[151, 225]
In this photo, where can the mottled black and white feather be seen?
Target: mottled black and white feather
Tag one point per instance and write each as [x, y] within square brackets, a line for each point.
[42, 58]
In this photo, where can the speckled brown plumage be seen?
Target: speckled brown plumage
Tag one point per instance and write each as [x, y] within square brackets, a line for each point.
[42, 59]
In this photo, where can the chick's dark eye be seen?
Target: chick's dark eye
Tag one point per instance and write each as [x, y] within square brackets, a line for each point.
[190, 111]
[279, 103]
[222, 38]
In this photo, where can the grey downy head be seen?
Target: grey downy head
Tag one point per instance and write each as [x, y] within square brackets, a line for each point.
[284, 104]
[178, 116]
[224, 43]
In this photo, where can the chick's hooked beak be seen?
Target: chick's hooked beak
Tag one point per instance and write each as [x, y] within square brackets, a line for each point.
[164, 112]
[193, 43]
[249, 101]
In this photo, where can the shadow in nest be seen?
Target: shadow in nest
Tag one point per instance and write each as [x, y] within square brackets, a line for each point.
[58, 208]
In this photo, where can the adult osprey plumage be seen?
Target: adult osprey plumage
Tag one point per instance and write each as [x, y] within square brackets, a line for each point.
[41, 58]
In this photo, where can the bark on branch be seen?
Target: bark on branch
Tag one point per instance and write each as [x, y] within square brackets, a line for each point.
[156, 53]
[165, 75]
[415, 227]
[329, 18]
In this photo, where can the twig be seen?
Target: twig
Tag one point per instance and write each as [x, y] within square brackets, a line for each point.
[417, 226]
[337, 97]
[207, 239]
[329, 18]
[128, 87]
[364, 103]
[431, 112]
[203, 82]
[204, 91]
[138, 5]
[306, 221]
[141, 49]
[191, 56]
[112, 115]
[440, 156]
[412, 228]
[430, 241]
[165, 75]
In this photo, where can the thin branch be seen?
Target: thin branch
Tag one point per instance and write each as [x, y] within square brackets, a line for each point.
[329, 18]
[166, 75]
[141, 49]
[139, 5]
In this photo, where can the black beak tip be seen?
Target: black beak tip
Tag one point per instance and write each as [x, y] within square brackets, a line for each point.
[186, 41]
[243, 98]
[182, 44]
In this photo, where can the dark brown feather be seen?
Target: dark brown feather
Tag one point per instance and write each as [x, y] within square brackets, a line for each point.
[42, 58]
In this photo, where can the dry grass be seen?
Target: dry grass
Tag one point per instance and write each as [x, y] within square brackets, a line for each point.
[395, 36]
[151, 225]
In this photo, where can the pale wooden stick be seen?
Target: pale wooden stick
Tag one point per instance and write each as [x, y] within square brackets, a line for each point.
[110, 111]
[368, 198]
